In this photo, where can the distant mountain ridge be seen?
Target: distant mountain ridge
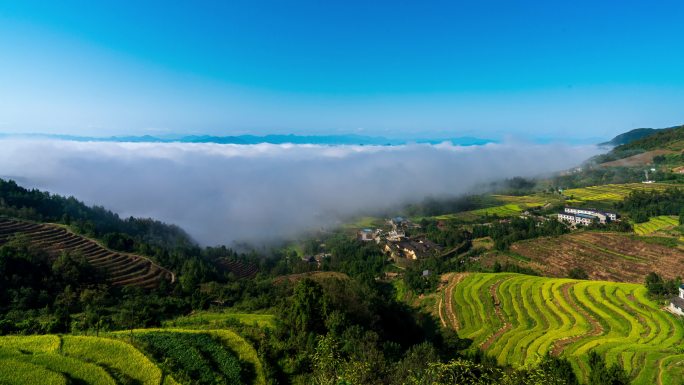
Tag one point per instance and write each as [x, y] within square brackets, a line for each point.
[643, 140]
[271, 139]
[631, 136]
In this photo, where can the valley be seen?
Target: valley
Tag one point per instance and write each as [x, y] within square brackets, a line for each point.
[498, 282]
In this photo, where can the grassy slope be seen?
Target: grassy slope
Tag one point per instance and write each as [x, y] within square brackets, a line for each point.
[213, 320]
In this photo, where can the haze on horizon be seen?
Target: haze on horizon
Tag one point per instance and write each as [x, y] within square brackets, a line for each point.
[571, 71]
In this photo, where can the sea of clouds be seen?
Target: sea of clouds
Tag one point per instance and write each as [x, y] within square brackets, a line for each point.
[223, 193]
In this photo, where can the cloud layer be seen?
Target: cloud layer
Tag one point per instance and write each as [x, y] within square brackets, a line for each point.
[226, 193]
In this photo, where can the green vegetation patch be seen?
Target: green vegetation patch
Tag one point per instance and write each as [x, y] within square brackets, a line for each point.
[206, 319]
[195, 358]
[252, 371]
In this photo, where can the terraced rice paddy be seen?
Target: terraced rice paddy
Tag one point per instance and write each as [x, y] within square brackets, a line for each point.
[612, 192]
[510, 206]
[119, 268]
[75, 360]
[239, 268]
[112, 360]
[654, 224]
[517, 319]
[602, 255]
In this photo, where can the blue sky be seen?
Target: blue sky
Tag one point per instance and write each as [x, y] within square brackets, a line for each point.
[537, 70]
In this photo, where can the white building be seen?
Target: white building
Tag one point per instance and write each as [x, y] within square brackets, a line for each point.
[576, 219]
[602, 216]
[677, 303]
[366, 235]
[396, 235]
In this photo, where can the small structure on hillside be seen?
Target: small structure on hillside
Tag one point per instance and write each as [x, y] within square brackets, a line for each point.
[396, 235]
[647, 180]
[317, 259]
[677, 303]
[399, 223]
[366, 235]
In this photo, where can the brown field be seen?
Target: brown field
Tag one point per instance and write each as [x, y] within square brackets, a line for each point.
[239, 268]
[604, 256]
[636, 160]
[315, 275]
[122, 269]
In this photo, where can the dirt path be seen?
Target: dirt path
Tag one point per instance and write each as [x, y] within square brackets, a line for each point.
[451, 320]
[660, 371]
[497, 309]
[596, 328]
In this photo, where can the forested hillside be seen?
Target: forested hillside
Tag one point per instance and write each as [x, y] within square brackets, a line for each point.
[663, 139]
[630, 136]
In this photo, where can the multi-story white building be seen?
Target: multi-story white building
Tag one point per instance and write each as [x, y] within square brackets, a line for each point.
[677, 303]
[601, 216]
[576, 219]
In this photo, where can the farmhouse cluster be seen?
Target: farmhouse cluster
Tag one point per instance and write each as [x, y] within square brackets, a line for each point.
[396, 244]
[579, 216]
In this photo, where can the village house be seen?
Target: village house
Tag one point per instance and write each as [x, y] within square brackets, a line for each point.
[396, 235]
[399, 223]
[411, 248]
[677, 303]
[317, 259]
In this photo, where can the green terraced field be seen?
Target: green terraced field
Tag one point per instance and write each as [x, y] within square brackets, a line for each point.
[76, 360]
[508, 205]
[243, 349]
[113, 360]
[656, 223]
[518, 319]
[611, 192]
[215, 320]
[506, 210]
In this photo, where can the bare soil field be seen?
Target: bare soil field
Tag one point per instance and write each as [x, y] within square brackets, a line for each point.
[602, 255]
[637, 160]
[315, 275]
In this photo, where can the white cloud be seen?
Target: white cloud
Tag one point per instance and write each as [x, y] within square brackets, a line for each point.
[223, 193]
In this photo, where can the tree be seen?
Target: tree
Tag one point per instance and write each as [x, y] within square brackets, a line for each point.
[94, 302]
[577, 273]
[326, 362]
[308, 309]
[655, 284]
[601, 374]
[458, 371]
[415, 362]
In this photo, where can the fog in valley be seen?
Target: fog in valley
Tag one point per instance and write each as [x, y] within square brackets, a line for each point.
[221, 194]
